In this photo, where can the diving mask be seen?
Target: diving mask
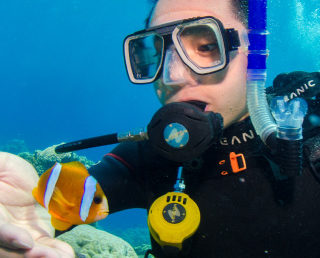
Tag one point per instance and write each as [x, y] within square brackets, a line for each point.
[202, 44]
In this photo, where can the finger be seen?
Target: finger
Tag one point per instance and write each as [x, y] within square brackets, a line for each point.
[13, 237]
[61, 247]
[64, 248]
[9, 253]
[18, 178]
[40, 251]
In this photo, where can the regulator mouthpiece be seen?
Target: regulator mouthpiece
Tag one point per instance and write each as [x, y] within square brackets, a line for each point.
[181, 131]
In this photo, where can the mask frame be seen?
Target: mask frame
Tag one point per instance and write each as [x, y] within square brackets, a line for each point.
[169, 33]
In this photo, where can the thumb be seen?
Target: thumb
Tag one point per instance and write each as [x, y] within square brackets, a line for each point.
[14, 237]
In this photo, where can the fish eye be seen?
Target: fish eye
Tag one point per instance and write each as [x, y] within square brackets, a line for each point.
[97, 199]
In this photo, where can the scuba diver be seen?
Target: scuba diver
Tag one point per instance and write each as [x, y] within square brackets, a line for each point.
[241, 193]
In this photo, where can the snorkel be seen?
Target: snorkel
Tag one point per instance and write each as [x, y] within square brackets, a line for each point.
[257, 72]
[282, 132]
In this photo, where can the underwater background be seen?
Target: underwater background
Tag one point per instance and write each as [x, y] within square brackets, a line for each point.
[62, 75]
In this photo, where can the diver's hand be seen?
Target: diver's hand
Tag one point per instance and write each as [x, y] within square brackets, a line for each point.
[25, 227]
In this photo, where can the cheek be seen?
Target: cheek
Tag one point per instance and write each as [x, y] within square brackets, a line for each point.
[160, 91]
[225, 99]
[238, 69]
[232, 106]
[230, 99]
[236, 78]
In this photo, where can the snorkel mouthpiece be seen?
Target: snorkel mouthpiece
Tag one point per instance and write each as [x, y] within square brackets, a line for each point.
[289, 117]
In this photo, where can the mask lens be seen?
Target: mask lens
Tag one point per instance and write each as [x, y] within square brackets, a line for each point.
[145, 56]
[202, 45]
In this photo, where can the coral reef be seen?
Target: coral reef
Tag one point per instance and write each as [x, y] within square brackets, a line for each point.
[138, 237]
[44, 159]
[88, 241]
[142, 249]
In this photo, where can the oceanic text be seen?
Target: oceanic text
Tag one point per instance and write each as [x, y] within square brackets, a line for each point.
[300, 90]
[237, 139]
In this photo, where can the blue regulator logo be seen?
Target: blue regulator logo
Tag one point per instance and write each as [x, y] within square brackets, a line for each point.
[176, 135]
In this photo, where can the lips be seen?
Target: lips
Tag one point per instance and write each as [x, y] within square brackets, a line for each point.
[197, 103]
[192, 95]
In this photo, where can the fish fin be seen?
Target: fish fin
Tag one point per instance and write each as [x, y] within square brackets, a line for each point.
[59, 224]
[59, 198]
[76, 166]
[35, 195]
[57, 216]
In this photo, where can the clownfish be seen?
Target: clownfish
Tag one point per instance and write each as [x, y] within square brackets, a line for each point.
[71, 195]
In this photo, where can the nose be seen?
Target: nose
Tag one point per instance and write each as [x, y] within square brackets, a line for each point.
[175, 72]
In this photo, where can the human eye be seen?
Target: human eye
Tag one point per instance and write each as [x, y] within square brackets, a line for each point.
[206, 48]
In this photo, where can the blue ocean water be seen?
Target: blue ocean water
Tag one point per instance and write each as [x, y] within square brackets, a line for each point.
[294, 28]
[62, 74]
[62, 77]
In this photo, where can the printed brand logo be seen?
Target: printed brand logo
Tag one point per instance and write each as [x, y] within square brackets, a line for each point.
[238, 139]
[176, 135]
[300, 90]
[174, 213]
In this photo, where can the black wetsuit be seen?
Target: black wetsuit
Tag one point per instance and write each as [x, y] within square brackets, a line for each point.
[249, 213]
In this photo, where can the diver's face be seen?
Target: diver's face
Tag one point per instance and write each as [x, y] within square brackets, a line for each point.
[223, 91]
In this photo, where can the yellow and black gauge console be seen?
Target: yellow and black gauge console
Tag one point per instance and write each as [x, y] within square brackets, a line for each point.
[173, 218]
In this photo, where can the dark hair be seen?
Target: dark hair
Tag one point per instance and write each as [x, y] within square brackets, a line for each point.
[240, 9]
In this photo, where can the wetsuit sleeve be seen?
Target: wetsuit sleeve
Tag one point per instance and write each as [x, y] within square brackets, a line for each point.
[121, 178]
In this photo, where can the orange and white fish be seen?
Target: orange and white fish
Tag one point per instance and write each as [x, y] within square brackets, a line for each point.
[71, 195]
